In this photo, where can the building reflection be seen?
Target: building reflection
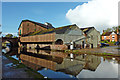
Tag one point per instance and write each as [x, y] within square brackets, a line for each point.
[59, 61]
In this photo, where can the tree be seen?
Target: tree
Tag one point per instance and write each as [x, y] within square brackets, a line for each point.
[114, 28]
[111, 29]
[119, 27]
[108, 30]
[14, 36]
[9, 35]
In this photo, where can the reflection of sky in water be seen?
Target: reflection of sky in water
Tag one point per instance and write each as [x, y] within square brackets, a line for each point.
[3, 50]
[9, 65]
[104, 70]
[4, 57]
[52, 74]
[15, 57]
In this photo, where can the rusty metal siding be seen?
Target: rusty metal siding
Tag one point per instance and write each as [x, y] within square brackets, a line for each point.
[39, 38]
[50, 53]
[41, 62]
[53, 47]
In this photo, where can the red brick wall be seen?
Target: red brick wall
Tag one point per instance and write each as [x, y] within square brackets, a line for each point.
[27, 27]
[107, 38]
[110, 37]
[115, 37]
[119, 38]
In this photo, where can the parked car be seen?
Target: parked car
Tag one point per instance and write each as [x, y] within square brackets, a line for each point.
[116, 43]
[104, 44]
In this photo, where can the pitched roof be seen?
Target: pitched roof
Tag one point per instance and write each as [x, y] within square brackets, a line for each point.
[40, 24]
[59, 30]
[106, 33]
[85, 30]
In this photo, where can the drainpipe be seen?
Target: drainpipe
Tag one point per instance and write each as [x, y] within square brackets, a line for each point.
[71, 56]
[71, 46]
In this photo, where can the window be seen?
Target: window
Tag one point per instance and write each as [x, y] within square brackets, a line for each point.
[112, 40]
[27, 29]
[104, 37]
[20, 32]
[27, 24]
[92, 37]
[113, 37]
[35, 29]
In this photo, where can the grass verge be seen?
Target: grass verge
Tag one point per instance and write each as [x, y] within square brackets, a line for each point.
[91, 53]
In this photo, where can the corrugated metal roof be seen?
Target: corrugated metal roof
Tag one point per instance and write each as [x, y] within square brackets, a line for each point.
[85, 30]
[59, 30]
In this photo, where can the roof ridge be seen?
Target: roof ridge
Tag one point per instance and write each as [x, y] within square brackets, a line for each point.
[86, 27]
[52, 29]
[37, 23]
[33, 21]
[67, 25]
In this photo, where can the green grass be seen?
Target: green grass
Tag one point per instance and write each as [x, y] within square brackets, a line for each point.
[117, 48]
[94, 53]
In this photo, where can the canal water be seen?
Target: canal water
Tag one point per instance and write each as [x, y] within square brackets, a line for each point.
[62, 65]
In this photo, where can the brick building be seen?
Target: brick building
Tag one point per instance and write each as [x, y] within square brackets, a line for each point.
[27, 27]
[34, 34]
[111, 36]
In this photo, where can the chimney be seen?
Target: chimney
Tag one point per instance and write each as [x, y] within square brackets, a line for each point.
[117, 31]
[103, 31]
[48, 25]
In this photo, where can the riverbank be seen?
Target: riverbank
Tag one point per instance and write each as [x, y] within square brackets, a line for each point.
[13, 69]
[106, 51]
[85, 52]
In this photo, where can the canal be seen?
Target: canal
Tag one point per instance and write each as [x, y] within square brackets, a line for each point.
[52, 64]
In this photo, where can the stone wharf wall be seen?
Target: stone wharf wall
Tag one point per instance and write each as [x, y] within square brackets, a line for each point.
[53, 47]
[50, 53]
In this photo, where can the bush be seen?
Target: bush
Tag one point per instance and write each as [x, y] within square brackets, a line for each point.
[105, 41]
[112, 42]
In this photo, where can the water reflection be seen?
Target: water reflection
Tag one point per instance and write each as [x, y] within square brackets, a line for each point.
[62, 65]
[59, 61]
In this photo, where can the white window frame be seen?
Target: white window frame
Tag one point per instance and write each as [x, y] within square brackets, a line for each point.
[105, 37]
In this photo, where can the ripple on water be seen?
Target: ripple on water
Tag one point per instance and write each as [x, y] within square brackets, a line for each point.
[3, 57]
